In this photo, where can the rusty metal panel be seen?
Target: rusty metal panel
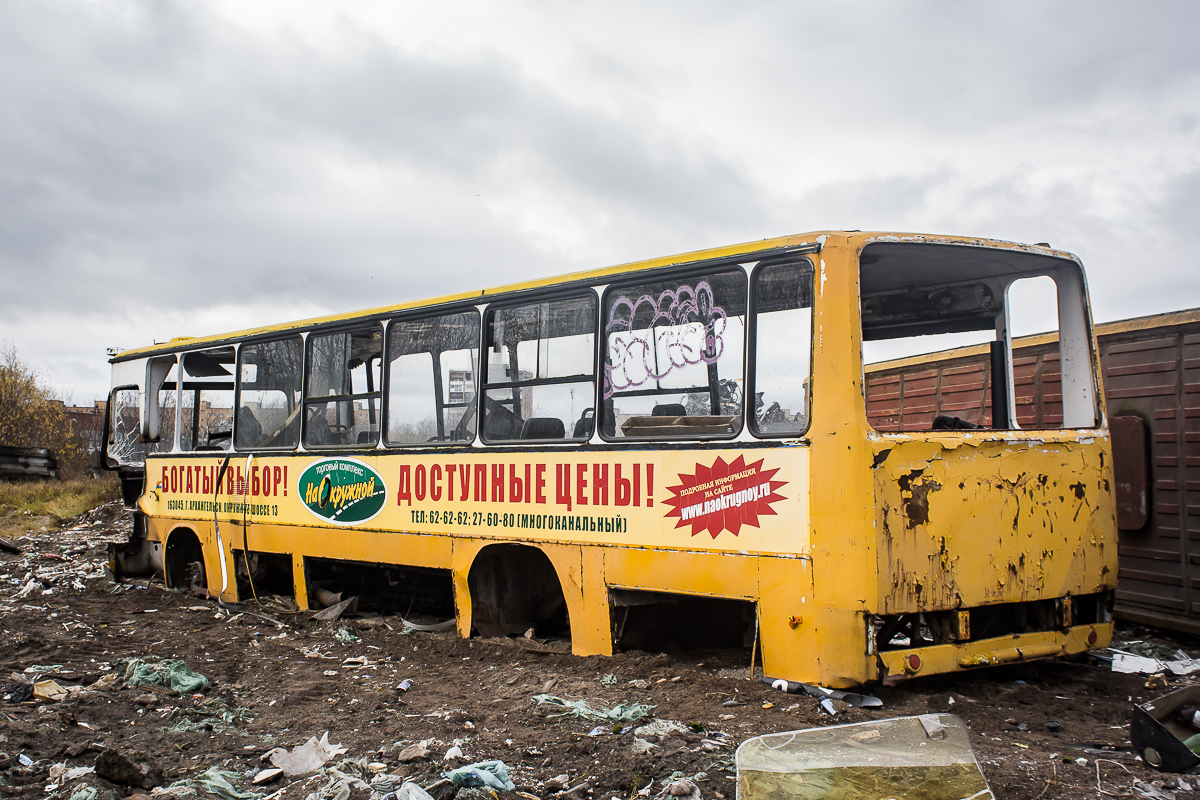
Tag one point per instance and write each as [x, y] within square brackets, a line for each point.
[1131, 471]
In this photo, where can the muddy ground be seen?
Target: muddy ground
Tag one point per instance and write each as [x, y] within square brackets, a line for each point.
[278, 684]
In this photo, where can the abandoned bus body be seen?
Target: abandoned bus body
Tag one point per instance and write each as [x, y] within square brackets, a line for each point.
[673, 449]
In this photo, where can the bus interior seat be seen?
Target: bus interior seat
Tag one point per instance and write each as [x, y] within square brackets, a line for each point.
[317, 430]
[543, 428]
[669, 410]
[249, 429]
[585, 424]
[499, 422]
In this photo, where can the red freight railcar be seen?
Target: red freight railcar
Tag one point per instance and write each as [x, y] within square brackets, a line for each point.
[1152, 389]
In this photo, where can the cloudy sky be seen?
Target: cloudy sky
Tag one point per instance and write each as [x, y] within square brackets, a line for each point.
[178, 168]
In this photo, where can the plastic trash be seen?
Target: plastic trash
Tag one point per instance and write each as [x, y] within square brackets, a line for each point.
[409, 791]
[217, 781]
[405, 685]
[51, 691]
[437, 626]
[825, 695]
[161, 672]
[1181, 664]
[307, 757]
[625, 713]
[487, 774]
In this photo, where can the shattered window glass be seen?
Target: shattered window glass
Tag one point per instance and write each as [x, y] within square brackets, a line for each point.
[124, 444]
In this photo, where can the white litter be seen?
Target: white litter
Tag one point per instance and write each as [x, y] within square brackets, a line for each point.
[307, 757]
[1144, 665]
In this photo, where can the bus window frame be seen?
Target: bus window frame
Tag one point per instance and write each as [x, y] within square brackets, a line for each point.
[1075, 338]
[237, 395]
[682, 271]
[195, 388]
[386, 381]
[346, 327]
[752, 348]
[567, 292]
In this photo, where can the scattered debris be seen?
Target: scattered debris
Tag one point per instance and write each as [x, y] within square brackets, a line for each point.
[437, 626]
[266, 776]
[409, 791]
[626, 713]
[683, 788]
[305, 758]
[1180, 664]
[339, 786]
[129, 768]
[331, 614]
[825, 696]
[489, 774]
[173, 673]
[1155, 729]
[414, 752]
[219, 782]
[50, 691]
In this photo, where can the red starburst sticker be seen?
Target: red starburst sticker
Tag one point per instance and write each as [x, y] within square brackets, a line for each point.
[724, 497]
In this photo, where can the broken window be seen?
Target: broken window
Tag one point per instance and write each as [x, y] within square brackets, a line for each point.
[125, 447]
[432, 368]
[342, 399]
[782, 348]
[206, 400]
[938, 323]
[673, 357]
[541, 371]
[268, 414]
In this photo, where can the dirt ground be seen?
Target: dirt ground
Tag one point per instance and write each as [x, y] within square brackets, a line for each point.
[278, 684]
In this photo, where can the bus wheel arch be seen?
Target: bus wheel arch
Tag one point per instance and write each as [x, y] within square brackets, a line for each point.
[516, 587]
[183, 560]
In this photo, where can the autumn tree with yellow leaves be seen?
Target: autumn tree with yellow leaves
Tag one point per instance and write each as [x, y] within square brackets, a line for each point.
[31, 416]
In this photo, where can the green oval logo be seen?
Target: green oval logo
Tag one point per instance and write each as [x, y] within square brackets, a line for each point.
[344, 491]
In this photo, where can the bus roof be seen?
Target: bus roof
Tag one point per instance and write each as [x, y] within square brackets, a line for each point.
[810, 239]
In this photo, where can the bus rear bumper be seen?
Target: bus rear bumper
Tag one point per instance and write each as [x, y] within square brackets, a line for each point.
[898, 665]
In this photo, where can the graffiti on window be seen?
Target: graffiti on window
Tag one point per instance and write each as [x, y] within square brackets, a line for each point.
[677, 329]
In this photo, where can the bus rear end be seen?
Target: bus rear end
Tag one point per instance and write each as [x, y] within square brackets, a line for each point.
[994, 520]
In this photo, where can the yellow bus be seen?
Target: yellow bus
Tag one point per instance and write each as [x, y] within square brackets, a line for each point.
[676, 449]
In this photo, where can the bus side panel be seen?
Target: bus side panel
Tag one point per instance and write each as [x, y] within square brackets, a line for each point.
[966, 522]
